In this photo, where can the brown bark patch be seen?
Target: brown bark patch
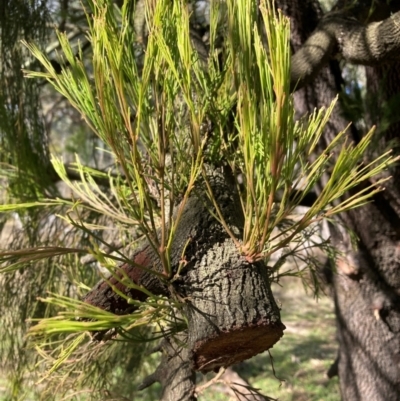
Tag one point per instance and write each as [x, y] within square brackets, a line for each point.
[231, 311]
[235, 345]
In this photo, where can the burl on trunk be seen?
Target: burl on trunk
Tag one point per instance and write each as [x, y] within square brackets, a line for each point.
[228, 302]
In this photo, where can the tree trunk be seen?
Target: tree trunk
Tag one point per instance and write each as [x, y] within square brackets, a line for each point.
[231, 311]
[367, 282]
[368, 303]
[227, 301]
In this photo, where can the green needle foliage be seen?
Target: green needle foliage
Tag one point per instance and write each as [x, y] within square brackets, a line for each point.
[153, 110]
[274, 151]
[135, 114]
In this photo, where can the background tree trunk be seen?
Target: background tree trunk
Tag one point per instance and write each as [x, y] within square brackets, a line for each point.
[367, 284]
[368, 302]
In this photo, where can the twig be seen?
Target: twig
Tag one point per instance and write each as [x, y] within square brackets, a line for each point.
[200, 389]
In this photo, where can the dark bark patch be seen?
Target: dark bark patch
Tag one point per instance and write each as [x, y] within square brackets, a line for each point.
[231, 311]
[235, 345]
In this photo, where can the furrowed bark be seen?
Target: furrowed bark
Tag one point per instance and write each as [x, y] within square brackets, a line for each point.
[231, 312]
[339, 33]
[368, 303]
[367, 284]
[174, 373]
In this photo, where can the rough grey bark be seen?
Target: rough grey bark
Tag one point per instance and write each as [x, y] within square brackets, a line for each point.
[175, 373]
[338, 32]
[231, 312]
[371, 336]
[367, 283]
